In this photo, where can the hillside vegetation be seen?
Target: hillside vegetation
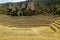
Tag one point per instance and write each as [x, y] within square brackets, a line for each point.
[30, 8]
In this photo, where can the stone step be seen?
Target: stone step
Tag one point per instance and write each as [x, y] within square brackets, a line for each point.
[56, 25]
[58, 22]
[54, 28]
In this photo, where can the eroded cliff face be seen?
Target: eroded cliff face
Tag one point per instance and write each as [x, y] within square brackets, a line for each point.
[29, 5]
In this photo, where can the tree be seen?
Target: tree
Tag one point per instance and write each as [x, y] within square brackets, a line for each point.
[50, 6]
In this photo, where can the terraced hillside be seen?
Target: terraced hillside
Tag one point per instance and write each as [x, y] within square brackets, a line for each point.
[56, 25]
[49, 32]
[27, 21]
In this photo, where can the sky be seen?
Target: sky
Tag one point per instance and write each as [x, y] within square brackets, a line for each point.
[4, 1]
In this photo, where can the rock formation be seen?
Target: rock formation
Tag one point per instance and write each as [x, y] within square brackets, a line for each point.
[29, 5]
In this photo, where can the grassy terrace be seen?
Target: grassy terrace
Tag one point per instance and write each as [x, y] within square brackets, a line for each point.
[23, 28]
[28, 21]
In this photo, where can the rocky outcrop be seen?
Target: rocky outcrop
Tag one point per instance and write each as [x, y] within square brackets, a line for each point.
[29, 5]
[23, 5]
